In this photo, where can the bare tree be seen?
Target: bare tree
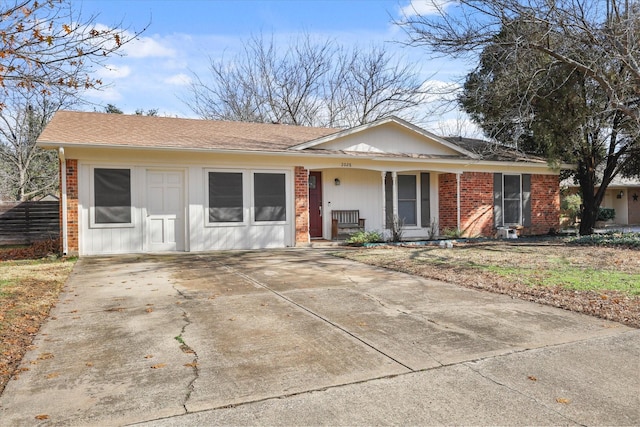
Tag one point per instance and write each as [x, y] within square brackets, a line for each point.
[26, 170]
[48, 53]
[374, 85]
[564, 74]
[47, 44]
[310, 84]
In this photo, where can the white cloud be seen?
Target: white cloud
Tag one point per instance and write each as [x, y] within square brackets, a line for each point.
[146, 47]
[425, 7]
[103, 95]
[110, 71]
[180, 79]
[440, 91]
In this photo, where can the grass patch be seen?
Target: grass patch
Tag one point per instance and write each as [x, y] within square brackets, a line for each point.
[28, 290]
[573, 278]
[600, 280]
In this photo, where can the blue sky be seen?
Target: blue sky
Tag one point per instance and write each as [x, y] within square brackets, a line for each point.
[183, 34]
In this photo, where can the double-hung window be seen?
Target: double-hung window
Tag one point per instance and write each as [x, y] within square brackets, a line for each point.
[407, 202]
[111, 198]
[512, 199]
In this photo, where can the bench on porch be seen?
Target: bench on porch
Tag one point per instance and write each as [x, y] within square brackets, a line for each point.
[345, 222]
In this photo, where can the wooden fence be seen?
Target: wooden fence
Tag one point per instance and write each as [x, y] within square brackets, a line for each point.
[27, 222]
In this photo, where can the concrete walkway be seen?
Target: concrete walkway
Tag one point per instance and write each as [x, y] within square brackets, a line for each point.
[288, 337]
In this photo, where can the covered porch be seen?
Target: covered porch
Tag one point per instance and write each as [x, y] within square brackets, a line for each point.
[380, 198]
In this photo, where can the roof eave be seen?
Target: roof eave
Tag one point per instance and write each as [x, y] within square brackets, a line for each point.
[296, 153]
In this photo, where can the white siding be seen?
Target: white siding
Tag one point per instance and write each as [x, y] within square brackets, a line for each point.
[391, 138]
[111, 240]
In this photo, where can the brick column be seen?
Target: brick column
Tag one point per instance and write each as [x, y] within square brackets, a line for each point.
[301, 176]
[72, 207]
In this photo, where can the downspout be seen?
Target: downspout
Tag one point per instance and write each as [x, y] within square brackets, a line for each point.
[63, 200]
[458, 199]
[384, 201]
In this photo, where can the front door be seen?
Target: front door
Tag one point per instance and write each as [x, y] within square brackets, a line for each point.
[315, 204]
[165, 210]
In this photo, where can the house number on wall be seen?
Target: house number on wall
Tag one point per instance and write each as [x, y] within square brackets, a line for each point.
[345, 165]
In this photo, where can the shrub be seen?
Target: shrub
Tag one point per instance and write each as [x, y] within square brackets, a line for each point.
[570, 206]
[452, 233]
[615, 239]
[605, 214]
[36, 250]
[359, 238]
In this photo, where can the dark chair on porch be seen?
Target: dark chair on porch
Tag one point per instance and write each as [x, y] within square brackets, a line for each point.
[345, 222]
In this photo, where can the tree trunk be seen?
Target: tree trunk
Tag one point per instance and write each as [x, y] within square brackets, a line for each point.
[586, 175]
[589, 216]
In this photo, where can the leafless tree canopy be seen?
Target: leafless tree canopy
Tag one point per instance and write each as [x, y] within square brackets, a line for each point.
[48, 53]
[27, 171]
[310, 84]
[46, 44]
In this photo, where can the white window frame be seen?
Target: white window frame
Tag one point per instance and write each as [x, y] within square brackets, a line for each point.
[245, 193]
[92, 198]
[248, 192]
[504, 211]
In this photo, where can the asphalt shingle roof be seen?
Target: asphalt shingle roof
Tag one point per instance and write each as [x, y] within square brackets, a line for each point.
[72, 127]
[119, 130]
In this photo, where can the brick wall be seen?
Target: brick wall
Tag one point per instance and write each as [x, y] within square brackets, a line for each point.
[72, 207]
[447, 213]
[545, 204]
[476, 203]
[301, 176]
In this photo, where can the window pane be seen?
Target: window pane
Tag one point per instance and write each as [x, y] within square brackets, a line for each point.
[406, 187]
[512, 211]
[269, 196]
[225, 197]
[112, 191]
[407, 212]
[512, 186]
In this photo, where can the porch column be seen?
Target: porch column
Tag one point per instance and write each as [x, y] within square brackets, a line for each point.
[384, 200]
[394, 177]
[458, 200]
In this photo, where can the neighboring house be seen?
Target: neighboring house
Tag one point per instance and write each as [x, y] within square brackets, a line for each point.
[622, 194]
[134, 184]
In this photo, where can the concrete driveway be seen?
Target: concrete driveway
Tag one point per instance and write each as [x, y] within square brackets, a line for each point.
[287, 337]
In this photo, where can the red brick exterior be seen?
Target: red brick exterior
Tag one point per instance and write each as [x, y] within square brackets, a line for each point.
[476, 204]
[545, 204]
[447, 213]
[301, 176]
[72, 207]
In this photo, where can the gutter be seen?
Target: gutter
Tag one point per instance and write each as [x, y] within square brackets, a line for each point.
[63, 199]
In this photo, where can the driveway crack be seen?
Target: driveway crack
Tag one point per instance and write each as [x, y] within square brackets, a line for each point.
[186, 348]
